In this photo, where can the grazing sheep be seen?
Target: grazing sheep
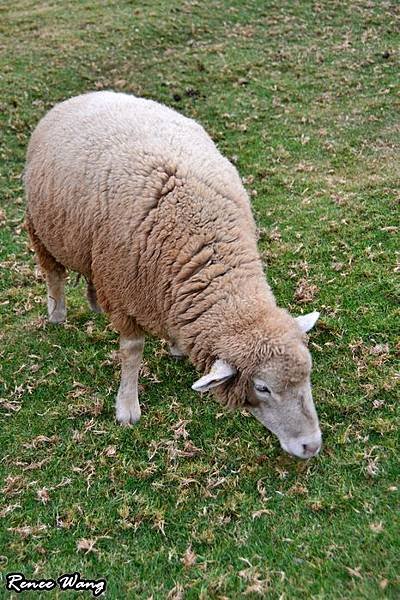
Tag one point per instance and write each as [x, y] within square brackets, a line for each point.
[138, 199]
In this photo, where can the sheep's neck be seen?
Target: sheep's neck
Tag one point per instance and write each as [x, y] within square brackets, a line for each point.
[240, 307]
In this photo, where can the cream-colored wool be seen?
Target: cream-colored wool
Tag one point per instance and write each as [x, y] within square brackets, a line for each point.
[139, 200]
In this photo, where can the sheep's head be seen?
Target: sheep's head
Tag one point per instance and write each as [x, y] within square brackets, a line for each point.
[268, 372]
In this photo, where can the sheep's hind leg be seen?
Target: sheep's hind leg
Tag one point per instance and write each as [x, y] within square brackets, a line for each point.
[131, 351]
[55, 296]
[55, 276]
[92, 297]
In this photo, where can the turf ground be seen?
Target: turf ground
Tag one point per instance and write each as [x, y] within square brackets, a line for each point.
[196, 502]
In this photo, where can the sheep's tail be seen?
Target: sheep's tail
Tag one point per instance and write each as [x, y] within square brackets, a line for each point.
[46, 260]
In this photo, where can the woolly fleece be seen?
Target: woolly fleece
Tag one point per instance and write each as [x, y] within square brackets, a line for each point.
[138, 199]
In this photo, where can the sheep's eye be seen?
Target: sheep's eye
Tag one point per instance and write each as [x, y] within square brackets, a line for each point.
[263, 389]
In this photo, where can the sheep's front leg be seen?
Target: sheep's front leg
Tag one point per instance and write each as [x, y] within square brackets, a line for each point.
[175, 351]
[131, 351]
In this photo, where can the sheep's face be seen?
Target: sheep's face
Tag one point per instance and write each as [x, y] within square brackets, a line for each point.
[278, 391]
[280, 398]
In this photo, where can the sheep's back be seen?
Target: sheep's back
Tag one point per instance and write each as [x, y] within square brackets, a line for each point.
[99, 164]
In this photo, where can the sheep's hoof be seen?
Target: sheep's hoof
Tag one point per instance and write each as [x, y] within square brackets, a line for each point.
[95, 307]
[128, 415]
[91, 296]
[175, 352]
[57, 317]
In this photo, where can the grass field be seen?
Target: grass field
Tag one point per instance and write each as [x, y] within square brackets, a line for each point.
[196, 502]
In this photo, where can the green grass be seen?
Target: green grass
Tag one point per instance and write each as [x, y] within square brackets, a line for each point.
[304, 97]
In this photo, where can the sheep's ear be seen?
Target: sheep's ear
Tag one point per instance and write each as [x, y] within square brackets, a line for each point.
[220, 371]
[307, 322]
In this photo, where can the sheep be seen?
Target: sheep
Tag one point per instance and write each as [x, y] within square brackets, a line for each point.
[137, 198]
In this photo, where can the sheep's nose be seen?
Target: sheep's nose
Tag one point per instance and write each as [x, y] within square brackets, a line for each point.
[311, 449]
[303, 447]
